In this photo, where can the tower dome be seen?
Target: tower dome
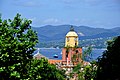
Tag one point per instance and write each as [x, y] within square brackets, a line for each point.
[71, 33]
[71, 38]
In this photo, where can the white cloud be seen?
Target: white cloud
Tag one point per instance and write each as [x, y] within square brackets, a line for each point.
[51, 21]
[32, 19]
[27, 3]
[68, 1]
[84, 2]
[30, 3]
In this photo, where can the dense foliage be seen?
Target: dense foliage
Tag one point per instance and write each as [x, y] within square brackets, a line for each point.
[42, 70]
[106, 68]
[108, 64]
[17, 41]
[85, 72]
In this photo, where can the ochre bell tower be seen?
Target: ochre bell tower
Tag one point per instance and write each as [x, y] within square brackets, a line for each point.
[71, 53]
[71, 39]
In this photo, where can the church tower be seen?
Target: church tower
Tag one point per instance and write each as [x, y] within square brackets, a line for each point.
[71, 39]
[71, 53]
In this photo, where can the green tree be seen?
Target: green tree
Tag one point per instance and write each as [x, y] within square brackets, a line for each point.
[79, 70]
[85, 72]
[17, 41]
[108, 64]
[42, 70]
[90, 71]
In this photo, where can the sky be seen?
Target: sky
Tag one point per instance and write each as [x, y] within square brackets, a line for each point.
[92, 13]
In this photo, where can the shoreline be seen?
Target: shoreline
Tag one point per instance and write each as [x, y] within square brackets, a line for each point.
[82, 48]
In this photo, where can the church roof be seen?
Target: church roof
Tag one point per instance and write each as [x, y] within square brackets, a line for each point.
[38, 55]
[71, 32]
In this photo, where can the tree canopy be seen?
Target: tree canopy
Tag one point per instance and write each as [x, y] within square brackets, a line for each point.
[17, 41]
[108, 64]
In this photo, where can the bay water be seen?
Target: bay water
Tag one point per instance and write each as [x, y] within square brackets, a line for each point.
[50, 52]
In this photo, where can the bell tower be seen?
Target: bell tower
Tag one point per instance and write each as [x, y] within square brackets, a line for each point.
[71, 39]
[71, 53]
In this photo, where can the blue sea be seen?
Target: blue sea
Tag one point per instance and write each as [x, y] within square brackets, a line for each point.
[50, 52]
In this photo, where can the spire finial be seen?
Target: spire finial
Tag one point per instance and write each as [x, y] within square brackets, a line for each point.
[71, 28]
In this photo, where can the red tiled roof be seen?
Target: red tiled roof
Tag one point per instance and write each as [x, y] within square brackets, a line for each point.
[51, 61]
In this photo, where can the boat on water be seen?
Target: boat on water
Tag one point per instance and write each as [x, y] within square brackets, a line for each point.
[55, 56]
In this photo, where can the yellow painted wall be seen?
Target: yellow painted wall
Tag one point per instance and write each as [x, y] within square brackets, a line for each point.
[71, 40]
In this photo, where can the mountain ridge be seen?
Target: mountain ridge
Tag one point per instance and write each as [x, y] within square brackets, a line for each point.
[57, 33]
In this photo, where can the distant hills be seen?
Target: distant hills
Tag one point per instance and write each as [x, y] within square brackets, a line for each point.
[50, 33]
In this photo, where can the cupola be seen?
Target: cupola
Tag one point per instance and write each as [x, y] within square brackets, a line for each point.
[71, 38]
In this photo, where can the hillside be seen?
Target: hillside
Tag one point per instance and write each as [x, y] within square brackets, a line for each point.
[50, 33]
